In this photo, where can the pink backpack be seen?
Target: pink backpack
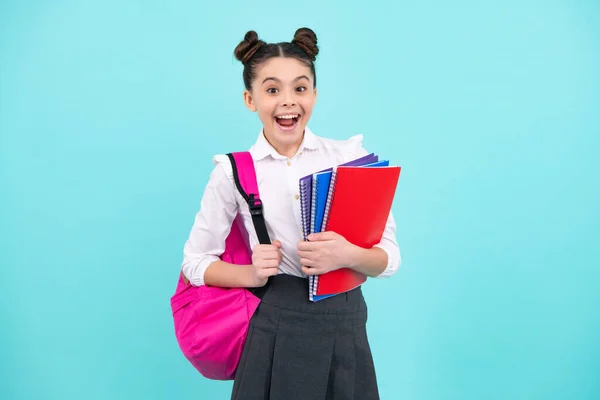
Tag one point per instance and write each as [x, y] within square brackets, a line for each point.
[211, 323]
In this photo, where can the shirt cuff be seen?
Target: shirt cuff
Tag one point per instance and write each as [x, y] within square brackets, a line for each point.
[393, 259]
[194, 271]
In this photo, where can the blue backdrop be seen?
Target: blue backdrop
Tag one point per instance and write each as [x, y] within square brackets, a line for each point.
[110, 112]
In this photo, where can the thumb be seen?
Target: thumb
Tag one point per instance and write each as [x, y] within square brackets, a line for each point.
[315, 237]
[277, 243]
[323, 236]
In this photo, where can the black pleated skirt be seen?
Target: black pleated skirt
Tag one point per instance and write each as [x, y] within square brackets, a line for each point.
[300, 350]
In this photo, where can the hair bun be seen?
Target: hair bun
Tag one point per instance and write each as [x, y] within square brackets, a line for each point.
[248, 47]
[306, 39]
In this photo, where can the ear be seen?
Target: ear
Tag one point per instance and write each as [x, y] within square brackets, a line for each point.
[249, 101]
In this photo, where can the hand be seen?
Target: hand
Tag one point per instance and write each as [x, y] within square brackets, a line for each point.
[324, 252]
[265, 262]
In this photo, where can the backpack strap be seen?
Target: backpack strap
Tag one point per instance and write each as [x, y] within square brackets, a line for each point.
[244, 176]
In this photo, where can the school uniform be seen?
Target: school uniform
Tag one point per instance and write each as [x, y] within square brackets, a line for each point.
[295, 349]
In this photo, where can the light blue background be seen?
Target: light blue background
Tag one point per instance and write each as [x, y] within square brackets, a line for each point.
[110, 112]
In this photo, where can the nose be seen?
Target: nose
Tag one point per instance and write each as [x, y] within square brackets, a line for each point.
[288, 99]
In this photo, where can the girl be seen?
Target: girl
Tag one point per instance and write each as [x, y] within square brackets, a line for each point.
[295, 349]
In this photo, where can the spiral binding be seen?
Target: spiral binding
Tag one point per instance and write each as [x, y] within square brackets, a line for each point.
[303, 209]
[313, 205]
[305, 225]
[329, 200]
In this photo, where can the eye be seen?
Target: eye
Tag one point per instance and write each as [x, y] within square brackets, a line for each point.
[272, 90]
[301, 88]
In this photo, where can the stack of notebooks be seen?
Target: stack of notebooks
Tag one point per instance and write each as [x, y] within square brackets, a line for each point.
[354, 200]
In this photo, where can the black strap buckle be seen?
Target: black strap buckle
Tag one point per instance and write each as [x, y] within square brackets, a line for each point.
[256, 207]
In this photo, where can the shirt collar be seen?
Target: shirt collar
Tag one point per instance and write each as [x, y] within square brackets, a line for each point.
[262, 148]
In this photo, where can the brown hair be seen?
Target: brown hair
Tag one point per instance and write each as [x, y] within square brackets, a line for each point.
[252, 52]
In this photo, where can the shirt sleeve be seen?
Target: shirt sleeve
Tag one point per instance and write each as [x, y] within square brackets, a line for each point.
[388, 241]
[355, 148]
[212, 224]
[389, 244]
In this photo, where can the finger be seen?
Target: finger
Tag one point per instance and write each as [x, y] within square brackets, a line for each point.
[322, 236]
[271, 255]
[265, 247]
[306, 261]
[272, 247]
[261, 247]
[277, 243]
[311, 271]
[269, 272]
[306, 246]
[266, 264]
[306, 255]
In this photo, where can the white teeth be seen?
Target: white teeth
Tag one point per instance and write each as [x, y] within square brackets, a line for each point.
[288, 116]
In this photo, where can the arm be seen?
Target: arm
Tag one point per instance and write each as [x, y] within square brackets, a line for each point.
[328, 251]
[382, 260]
[201, 263]
[266, 259]
[222, 274]
[370, 262]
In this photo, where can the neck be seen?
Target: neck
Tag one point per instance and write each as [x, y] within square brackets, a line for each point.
[288, 151]
[285, 149]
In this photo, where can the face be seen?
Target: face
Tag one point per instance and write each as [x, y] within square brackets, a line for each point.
[283, 95]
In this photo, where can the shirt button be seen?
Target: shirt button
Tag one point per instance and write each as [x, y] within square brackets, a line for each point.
[289, 163]
[297, 197]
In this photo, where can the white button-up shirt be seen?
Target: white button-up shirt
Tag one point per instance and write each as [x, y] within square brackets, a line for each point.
[278, 187]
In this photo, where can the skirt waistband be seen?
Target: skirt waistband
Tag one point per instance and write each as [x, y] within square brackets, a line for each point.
[291, 292]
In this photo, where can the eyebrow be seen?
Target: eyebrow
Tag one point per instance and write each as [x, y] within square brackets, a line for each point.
[277, 80]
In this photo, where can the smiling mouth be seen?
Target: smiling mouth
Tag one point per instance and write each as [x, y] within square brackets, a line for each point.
[287, 122]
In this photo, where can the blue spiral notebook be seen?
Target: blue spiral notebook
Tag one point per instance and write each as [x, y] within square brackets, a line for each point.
[320, 190]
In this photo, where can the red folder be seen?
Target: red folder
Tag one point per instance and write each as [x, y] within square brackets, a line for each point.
[361, 202]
